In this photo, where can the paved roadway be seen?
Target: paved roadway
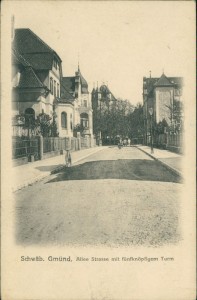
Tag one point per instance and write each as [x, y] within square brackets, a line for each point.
[112, 198]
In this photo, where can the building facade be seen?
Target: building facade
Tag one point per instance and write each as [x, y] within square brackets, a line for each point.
[38, 85]
[77, 86]
[161, 95]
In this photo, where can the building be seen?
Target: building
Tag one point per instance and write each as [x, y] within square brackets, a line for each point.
[77, 86]
[102, 98]
[37, 85]
[161, 95]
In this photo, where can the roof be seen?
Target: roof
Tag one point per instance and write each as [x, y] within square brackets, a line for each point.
[18, 59]
[29, 79]
[65, 95]
[151, 83]
[69, 83]
[35, 50]
[83, 81]
[177, 80]
[163, 81]
[40, 61]
[105, 90]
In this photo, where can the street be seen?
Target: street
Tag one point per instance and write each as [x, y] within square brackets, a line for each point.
[115, 197]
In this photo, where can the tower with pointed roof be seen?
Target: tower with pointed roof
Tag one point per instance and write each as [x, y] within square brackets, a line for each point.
[78, 87]
[160, 94]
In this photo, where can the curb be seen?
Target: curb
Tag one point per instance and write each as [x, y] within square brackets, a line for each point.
[54, 171]
[175, 171]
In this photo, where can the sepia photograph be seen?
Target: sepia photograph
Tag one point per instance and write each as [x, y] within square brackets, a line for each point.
[98, 153]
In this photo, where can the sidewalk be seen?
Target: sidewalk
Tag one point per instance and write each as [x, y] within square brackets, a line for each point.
[30, 173]
[170, 160]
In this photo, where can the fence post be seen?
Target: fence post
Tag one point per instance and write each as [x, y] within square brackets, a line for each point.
[40, 147]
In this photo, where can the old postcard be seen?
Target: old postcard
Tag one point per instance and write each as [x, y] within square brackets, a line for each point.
[98, 150]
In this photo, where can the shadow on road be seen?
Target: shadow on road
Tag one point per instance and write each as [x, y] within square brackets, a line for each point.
[47, 168]
[129, 169]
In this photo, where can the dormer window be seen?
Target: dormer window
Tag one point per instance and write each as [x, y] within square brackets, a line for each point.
[55, 63]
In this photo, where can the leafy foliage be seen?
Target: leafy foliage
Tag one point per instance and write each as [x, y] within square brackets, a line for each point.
[78, 128]
[160, 127]
[136, 121]
[176, 112]
[112, 119]
[44, 124]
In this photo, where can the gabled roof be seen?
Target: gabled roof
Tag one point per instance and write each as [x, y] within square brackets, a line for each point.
[40, 61]
[69, 83]
[26, 41]
[151, 83]
[105, 90]
[29, 79]
[35, 50]
[65, 95]
[163, 81]
[18, 59]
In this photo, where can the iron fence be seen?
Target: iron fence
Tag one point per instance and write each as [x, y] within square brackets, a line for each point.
[51, 144]
[25, 147]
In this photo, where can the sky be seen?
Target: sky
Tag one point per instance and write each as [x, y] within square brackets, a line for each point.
[116, 42]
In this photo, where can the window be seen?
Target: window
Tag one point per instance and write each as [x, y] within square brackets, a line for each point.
[71, 122]
[85, 103]
[64, 120]
[54, 88]
[84, 120]
[58, 90]
[55, 63]
[51, 85]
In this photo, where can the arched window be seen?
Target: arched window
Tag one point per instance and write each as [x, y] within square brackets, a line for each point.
[64, 120]
[84, 120]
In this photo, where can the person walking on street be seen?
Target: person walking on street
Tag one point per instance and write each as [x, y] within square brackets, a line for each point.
[68, 159]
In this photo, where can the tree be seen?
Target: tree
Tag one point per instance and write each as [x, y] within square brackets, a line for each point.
[160, 127]
[136, 122]
[176, 115]
[44, 125]
[111, 118]
[78, 128]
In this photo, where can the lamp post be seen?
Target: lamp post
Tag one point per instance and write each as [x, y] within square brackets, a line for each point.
[151, 127]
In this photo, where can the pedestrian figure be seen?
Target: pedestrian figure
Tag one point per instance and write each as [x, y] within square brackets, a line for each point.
[129, 142]
[68, 159]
